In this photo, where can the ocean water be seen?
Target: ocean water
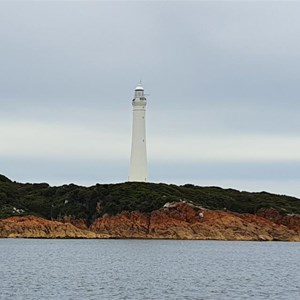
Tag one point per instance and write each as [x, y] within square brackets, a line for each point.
[148, 269]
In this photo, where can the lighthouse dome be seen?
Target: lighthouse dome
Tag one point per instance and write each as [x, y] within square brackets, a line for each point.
[139, 87]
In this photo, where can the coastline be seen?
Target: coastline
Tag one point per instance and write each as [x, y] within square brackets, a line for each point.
[182, 221]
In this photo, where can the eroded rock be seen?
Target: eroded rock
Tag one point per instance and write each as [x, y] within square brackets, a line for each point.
[178, 221]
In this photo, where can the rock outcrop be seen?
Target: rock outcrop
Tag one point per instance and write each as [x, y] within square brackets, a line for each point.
[184, 221]
[175, 221]
[34, 227]
[291, 221]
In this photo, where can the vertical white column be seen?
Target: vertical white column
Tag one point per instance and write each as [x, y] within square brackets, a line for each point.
[138, 159]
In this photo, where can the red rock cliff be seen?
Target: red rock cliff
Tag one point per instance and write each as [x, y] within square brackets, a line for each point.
[291, 221]
[33, 227]
[178, 221]
[184, 221]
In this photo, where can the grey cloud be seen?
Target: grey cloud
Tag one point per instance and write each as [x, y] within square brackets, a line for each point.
[57, 172]
[86, 49]
[210, 67]
[231, 170]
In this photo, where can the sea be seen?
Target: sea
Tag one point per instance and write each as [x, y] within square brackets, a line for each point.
[148, 269]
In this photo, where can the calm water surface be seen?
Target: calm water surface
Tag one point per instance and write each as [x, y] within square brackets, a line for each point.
[148, 269]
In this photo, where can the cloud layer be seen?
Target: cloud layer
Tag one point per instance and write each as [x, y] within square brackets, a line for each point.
[223, 78]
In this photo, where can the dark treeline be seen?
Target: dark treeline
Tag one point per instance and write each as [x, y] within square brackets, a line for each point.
[92, 202]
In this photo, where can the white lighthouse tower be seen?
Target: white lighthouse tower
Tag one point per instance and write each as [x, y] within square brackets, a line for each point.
[138, 160]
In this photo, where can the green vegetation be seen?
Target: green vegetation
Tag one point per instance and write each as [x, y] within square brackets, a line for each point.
[91, 202]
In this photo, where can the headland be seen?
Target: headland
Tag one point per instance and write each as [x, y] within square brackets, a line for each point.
[145, 211]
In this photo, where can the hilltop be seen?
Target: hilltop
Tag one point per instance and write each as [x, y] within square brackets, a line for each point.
[145, 210]
[89, 203]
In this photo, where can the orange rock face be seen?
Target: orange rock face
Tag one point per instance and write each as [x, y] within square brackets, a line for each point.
[184, 221]
[179, 221]
[124, 225]
[33, 227]
[291, 221]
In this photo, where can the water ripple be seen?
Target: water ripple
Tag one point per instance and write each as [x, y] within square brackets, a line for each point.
[148, 269]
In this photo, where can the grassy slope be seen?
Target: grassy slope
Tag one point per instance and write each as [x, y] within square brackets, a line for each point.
[92, 202]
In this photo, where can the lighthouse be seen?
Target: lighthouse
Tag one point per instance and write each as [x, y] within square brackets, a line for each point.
[138, 159]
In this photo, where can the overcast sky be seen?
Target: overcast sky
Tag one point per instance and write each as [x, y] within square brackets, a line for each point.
[223, 79]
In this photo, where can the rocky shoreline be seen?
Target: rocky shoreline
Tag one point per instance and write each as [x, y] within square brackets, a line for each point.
[177, 221]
